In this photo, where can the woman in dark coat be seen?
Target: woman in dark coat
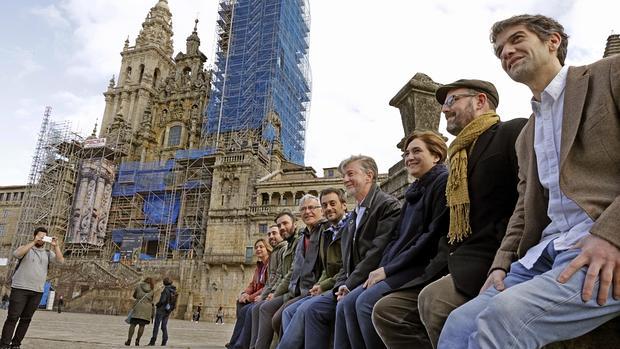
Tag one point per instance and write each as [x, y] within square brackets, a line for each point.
[143, 309]
[424, 219]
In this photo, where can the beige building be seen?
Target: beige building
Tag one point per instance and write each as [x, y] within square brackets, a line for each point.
[11, 198]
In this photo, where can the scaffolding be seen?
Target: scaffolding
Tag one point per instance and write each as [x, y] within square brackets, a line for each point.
[261, 66]
[51, 181]
[160, 209]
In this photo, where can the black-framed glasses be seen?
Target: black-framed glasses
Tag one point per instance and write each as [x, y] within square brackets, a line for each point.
[449, 102]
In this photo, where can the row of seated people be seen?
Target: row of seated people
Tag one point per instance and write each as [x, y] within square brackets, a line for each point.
[507, 238]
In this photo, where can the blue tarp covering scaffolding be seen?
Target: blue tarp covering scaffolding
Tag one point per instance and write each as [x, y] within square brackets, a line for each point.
[161, 208]
[261, 66]
[136, 177]
[183, 241]
[161, 203]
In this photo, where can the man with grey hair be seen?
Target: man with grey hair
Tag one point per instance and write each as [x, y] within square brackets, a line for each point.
[370, 228]
[305, 269]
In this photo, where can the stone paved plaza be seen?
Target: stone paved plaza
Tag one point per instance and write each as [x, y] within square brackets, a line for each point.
[84, 331]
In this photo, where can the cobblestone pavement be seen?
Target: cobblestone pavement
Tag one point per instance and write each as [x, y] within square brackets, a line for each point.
[85, 331]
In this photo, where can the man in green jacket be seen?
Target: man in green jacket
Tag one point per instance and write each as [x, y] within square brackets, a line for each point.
[262, 312]
[334, 209]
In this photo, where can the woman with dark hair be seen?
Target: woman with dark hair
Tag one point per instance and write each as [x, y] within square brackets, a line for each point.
[424, 219]
[143, 309]
[219, 317]
[262, 251]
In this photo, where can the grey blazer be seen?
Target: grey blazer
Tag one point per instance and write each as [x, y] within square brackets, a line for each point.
[306, 268]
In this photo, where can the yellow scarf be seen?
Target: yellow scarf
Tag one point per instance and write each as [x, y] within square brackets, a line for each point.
[456, 189]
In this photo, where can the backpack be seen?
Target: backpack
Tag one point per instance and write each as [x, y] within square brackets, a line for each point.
[172, 301]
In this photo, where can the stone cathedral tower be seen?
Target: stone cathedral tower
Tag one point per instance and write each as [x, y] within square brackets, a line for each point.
[154, 109]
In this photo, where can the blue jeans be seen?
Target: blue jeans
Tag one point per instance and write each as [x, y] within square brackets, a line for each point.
[532, 311]
[293, 324]
[160, 318]
[319, 320]
[354, 328]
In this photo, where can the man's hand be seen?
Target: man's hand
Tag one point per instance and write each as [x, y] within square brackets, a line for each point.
[269, 297]
[258, 298]
[603, 261]
[316, 290]
[342, 291]
[38, 238]
[243, 298]
[496, 279]
[54, 243]
[374, 277]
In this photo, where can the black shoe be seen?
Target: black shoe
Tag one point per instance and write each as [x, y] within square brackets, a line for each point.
[137, 342]
[128, 342]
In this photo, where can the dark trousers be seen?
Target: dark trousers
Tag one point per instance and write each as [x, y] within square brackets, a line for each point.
[242, 313]
[266, 310]
[245, 334]
[397, 320]
[160, 318]
[22, 305]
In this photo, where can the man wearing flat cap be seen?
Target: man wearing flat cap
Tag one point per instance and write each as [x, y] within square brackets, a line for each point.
[481, 195]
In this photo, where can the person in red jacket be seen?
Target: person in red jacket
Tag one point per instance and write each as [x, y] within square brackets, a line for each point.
[262, 250]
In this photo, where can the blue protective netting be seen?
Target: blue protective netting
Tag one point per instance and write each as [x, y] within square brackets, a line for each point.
[136, 177]
[161, 208]
[265, 68]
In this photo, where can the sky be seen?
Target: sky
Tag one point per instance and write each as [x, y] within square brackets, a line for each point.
[63, 53]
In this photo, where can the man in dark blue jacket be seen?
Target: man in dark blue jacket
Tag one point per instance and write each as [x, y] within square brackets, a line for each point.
[165, 306]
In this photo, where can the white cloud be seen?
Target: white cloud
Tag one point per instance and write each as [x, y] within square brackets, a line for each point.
[52, 15]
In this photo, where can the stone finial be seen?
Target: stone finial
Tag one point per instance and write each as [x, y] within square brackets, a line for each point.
[126, 43]
[112, 82]
[94, 134]
[613, 45]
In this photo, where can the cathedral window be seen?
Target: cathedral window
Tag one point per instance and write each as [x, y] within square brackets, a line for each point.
[174, 136]
[141, 73]
[262, 228]
[155, 77]
[264, 199]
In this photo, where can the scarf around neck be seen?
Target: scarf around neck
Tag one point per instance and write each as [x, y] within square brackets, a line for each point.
[457, 193]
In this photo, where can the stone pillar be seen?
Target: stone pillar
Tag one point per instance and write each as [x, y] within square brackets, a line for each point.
[418, 111]
[417, 104]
